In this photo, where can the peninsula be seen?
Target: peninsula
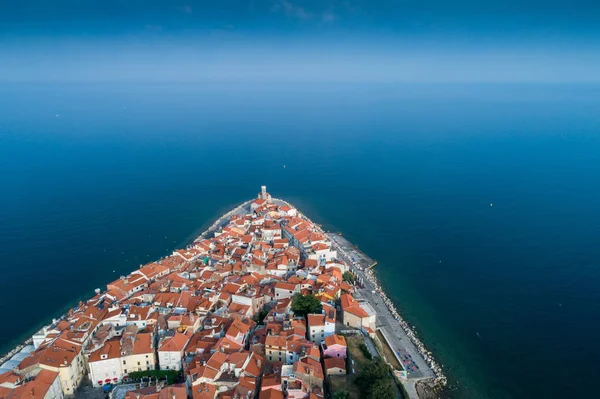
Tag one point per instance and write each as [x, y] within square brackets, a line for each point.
[264, 304]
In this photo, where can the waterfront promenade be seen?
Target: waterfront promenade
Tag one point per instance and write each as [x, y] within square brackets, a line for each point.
[386, 322]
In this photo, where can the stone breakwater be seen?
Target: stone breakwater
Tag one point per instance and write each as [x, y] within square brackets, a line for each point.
[440, 379]
[223, 219]
[16, 350]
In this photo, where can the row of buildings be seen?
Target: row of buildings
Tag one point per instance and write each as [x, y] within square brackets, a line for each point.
[219, 312]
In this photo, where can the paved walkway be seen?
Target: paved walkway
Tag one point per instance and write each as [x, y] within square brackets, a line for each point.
[87, 391]
[386, 322]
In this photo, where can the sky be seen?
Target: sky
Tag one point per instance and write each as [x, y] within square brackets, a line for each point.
[300, 41]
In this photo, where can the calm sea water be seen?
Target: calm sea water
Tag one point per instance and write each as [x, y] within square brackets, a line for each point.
[97, 179]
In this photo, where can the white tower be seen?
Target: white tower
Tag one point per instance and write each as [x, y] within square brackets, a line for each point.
[263, 191]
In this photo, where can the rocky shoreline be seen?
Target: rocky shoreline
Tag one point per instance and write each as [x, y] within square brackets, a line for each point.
[429, 389]
[440, 380]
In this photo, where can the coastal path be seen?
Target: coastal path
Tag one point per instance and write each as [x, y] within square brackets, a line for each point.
[406, 351]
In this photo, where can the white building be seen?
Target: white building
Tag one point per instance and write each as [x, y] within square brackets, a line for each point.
[319, 327]
[285, 290]
[105, 364]
[119, 357]
[170, 352]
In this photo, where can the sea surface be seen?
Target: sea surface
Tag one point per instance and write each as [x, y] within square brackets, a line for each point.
[480, 202]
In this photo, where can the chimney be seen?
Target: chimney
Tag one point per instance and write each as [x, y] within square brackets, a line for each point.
[66, 361]
[32, 392]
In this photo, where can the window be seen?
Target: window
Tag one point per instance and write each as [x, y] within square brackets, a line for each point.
[125, 371]
[138, 363]
[124, 362]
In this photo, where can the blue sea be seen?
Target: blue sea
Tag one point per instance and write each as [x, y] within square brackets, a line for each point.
[480, 203]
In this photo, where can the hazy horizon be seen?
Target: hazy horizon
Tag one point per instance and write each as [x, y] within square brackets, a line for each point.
[303, 41]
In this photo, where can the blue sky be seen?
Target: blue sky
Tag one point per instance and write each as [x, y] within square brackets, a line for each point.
[295, 40]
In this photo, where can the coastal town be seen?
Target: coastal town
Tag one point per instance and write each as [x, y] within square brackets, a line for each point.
[264, 304]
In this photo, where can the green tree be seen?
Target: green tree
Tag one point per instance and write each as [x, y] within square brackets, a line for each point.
[363, 348]
[348, 277]
[382, 389]
[373, 371]
[341, 395]
[260, 317]
[305, 304]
